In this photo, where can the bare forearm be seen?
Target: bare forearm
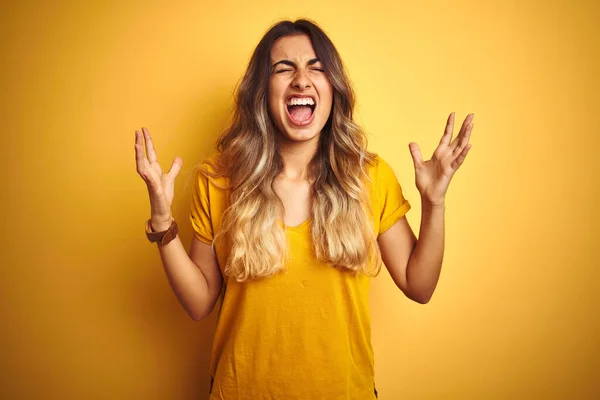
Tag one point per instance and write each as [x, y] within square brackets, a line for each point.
[187, 280]
[425, 263]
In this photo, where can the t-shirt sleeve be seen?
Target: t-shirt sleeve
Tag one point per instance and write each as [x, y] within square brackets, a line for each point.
[200, 209]
[392, 203]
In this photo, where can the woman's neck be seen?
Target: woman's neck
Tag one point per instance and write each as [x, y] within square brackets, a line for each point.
[296, 157]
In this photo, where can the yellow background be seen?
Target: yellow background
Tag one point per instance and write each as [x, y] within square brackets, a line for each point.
[87, 312]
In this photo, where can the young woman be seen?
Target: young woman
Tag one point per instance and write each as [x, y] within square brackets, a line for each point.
[291, 218]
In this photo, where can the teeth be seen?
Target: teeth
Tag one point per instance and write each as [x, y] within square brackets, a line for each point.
[300, 101]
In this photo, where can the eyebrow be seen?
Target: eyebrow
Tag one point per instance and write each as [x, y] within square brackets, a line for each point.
[293, 64]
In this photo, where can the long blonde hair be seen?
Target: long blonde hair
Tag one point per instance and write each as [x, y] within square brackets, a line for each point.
[341, 221]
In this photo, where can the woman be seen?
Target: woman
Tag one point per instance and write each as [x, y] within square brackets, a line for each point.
[291, 218]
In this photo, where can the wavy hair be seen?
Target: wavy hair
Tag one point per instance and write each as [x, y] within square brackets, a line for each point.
[341, 221]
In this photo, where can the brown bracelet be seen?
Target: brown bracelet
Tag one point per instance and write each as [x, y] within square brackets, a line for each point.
[163, 237]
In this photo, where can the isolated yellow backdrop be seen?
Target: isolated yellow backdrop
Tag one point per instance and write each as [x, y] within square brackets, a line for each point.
[87, 312]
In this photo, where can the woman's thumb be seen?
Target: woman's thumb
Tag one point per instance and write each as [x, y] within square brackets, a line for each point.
[175, 168]
[415, 152]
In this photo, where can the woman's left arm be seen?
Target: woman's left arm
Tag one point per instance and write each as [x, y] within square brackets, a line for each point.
[415, 265]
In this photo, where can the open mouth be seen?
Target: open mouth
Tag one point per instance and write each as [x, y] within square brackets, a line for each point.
[301, 109]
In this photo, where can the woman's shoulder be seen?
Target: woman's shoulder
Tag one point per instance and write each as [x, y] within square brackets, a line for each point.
[211, 170]
[210, 163]
[379, 168]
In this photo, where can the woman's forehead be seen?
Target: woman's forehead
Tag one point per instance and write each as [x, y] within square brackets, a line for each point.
[296, 47]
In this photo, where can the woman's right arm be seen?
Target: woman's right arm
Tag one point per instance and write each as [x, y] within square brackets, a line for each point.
[195, 278]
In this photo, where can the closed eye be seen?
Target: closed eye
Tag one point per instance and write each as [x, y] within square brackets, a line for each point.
[283, 70]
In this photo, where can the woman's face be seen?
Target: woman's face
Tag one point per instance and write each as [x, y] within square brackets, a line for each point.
[300, 94]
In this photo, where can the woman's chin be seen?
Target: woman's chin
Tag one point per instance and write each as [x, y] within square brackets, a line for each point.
[294, 134]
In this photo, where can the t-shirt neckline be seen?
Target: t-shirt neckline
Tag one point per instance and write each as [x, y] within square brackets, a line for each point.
[298, 227]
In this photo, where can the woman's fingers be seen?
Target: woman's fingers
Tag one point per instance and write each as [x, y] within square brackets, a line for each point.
[150, 152]
[149, 173]
[464, 139]
[456, 142]
[461, 157]
[139, 153]
[448, 131]
[463, 147]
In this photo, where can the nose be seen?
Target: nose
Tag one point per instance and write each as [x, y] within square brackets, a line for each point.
[301, 80]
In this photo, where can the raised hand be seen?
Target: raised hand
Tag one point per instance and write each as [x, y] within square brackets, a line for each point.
[161, 186]
[433, 176]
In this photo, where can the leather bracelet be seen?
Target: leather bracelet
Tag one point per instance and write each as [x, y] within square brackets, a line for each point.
[163, 237]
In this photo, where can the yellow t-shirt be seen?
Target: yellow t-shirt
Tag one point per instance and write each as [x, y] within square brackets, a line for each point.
[302, 334]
